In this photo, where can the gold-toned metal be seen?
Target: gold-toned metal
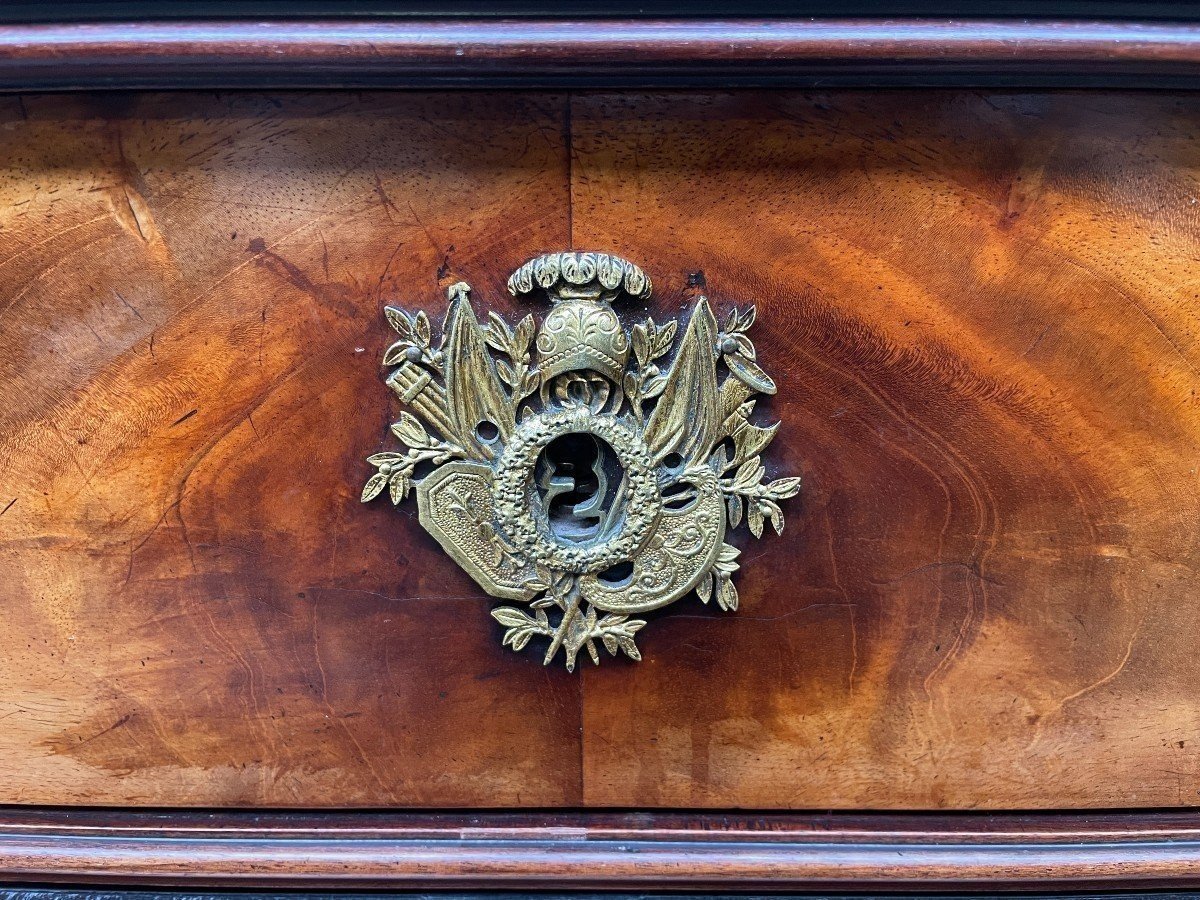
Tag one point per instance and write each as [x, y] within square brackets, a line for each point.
[567, 476]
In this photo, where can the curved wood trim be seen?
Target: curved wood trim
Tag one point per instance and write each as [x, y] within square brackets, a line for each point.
[596, 52]
[484, 851]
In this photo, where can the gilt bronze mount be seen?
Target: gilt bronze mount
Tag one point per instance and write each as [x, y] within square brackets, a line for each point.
[563, 474]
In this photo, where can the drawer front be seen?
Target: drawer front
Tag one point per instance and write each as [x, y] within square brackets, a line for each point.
[981, 313]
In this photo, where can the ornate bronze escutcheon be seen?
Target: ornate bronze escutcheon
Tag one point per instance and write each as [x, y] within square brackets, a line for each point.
[583, 468]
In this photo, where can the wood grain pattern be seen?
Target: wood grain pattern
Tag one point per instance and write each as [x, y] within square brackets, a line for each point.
[986, 313]
[982, 316]
[198, 611]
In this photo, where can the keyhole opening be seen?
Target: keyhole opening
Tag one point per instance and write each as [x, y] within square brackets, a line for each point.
[579, 476]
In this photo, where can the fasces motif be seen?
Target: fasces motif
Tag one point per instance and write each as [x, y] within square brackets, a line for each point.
[561, 473]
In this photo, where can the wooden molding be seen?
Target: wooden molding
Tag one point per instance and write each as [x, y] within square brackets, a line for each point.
[593, 52]
[603, 850]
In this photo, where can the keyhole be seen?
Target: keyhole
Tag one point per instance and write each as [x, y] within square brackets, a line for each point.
[578, 475]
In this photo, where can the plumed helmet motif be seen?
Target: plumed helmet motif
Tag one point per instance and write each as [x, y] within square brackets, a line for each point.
[581, 331]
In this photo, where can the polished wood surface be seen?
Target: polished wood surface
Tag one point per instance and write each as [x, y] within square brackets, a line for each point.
[571, 851]
[544, 51]
[981, 313]
[990, 318]
[199, 609]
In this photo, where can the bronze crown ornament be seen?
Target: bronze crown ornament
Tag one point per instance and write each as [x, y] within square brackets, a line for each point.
[582, 468]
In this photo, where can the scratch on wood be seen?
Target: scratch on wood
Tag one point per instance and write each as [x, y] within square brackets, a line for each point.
[133, 309]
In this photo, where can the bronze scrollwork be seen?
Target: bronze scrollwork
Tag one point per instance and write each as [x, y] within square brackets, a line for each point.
[565, 475]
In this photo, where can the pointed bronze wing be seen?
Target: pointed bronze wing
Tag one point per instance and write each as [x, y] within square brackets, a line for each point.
[685, 419]
[474, 393]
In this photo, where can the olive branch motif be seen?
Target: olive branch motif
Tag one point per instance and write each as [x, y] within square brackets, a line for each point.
[514, 371]
[650, 342]
[574, 631]
[396, 469]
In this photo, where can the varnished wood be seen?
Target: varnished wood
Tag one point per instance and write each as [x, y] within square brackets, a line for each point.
[572, 851]
[980, 311]
[987, 312]
[989, 316]
[199, 610]
[596, 52]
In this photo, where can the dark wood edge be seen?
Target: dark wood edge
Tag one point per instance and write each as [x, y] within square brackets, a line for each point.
[595, 52]
[615, 851]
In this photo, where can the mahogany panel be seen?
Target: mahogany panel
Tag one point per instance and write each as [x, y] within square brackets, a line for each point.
[983, 315]
[197, 609]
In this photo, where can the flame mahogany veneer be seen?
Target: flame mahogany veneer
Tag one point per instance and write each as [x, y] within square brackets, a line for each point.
[981, 311]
